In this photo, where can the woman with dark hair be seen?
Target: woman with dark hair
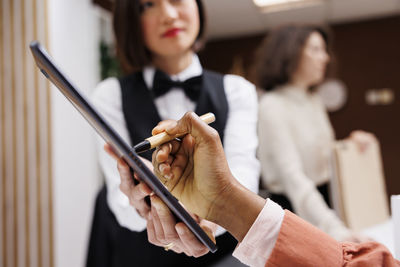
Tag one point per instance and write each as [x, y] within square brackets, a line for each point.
[156, 44]
[295, 134]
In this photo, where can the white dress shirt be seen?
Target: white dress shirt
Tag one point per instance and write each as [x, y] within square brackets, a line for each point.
[240, 135]
[296, 138]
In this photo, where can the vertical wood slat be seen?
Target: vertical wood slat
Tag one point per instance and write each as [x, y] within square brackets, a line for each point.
[7, 151]
[2, 142]
[14, 89]
[37, 141]
[25, 136]
[25, 201]
[9, 211]
[42, 145]
[19, 198]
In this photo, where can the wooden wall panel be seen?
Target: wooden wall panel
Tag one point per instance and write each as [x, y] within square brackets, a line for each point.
[25, 139]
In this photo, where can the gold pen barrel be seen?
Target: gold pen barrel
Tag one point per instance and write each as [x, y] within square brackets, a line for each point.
[163, 137]
[208, 117]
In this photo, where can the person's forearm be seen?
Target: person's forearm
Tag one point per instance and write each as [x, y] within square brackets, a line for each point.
[236, 210]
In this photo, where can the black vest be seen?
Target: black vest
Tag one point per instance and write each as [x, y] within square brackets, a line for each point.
[141, 114]
[113, 245]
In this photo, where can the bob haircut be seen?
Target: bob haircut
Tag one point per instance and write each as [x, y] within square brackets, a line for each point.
[280, 53]
[131, 49]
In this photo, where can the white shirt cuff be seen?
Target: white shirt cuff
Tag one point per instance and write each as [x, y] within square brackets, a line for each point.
[257, 245]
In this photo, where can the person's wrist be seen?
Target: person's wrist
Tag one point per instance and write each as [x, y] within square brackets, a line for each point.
[236, 209]
[217, 211]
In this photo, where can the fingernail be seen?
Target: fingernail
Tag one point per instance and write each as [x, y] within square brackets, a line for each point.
[154, 203]
[143, 189]
[169, 175]
[161, 168]
[170, 127]
[157, 207]
[180, 230]
[154, 129]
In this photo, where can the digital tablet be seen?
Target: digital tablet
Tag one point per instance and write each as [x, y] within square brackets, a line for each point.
[47, 67]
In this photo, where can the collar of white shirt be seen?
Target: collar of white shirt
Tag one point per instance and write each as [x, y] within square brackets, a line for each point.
[194, 69]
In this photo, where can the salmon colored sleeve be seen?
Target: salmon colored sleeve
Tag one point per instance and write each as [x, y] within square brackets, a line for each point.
[301, 244]
[367, 254]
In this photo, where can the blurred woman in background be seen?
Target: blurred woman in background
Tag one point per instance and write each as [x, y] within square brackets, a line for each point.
[295, 134]
[157, 41]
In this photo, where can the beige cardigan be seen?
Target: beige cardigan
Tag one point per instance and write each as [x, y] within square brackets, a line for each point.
[295, 139]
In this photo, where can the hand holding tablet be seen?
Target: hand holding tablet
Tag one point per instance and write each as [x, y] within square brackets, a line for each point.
[162, 227]
[47, 67]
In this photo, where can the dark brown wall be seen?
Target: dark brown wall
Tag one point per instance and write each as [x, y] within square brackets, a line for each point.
[367, 56]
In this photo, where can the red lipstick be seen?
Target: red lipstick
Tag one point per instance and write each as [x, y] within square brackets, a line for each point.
[171, 32]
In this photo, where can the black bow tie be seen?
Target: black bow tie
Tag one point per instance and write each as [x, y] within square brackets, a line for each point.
[162, 84]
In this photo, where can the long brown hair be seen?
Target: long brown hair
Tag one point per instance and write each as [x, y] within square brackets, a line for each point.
[131, 49]
[280, 53]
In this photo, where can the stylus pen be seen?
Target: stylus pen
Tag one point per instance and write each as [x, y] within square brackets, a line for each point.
[163, 137]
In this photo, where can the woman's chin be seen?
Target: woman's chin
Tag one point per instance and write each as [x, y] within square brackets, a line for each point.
[174, 50]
